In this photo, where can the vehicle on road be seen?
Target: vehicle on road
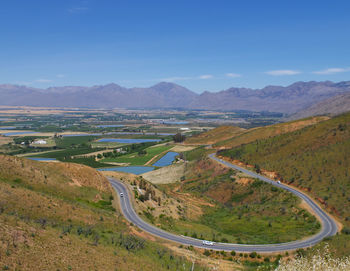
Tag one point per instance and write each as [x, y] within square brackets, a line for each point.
[208, 243]
[279, 182]
[121, 194]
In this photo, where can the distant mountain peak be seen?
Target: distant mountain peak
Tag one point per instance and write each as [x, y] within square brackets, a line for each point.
[166, 86]
[112, 85]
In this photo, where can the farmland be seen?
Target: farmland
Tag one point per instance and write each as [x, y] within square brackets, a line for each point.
[140, 158]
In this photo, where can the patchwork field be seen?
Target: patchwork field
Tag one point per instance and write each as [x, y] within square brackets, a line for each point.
[140, 158]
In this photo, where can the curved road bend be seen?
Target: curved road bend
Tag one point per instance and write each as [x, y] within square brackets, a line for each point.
[329, 227]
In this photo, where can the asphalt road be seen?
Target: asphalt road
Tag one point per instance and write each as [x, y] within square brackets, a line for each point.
[329, 227]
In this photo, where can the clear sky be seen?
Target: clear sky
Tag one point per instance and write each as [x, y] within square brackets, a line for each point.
[203, 45]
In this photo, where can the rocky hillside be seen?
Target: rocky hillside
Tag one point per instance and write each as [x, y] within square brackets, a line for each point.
[333, 106]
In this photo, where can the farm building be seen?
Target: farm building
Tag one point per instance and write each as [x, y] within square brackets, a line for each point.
[40, 142]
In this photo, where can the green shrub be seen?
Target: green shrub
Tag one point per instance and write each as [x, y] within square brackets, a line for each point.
[253, 255]
[206, 253]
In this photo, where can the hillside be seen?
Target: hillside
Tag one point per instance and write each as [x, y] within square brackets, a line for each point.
[61, 216]
[315, 159]
[213, 136]
[289, 99]
[247, 136]
[241, 209]
[333, 106]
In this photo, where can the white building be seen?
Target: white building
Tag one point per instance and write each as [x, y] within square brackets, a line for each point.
[40, 142]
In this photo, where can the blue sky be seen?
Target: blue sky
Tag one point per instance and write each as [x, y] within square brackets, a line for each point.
[203, 45]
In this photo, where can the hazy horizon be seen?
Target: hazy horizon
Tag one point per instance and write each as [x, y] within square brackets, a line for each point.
[176, 83]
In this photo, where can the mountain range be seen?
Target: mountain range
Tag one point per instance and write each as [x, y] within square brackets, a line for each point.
[289, 99]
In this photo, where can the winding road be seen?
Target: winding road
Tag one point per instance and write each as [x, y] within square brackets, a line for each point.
[329, 227]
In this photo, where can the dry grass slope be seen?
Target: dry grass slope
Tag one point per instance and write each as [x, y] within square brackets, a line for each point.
[169, 174]
[251, 135]
[60, 216]
[213, 136]
[58, 174]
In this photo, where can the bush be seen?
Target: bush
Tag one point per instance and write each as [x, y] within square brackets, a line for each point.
[131, 243]
[206, 253]
[224, 240]
[346, 231]
[253, 255]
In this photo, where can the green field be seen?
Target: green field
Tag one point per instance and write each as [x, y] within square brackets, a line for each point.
[140, 159]
[197, 153]
[107, 145]
[66, 153]
[72, 141]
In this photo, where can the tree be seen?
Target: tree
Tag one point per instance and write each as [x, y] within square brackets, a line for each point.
[253, 255]
[206, 253]
[257, 168]
[142, 152]
[147, 195]
[179, 137]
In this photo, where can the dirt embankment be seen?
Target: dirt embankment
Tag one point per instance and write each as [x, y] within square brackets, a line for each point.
[158, 202]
